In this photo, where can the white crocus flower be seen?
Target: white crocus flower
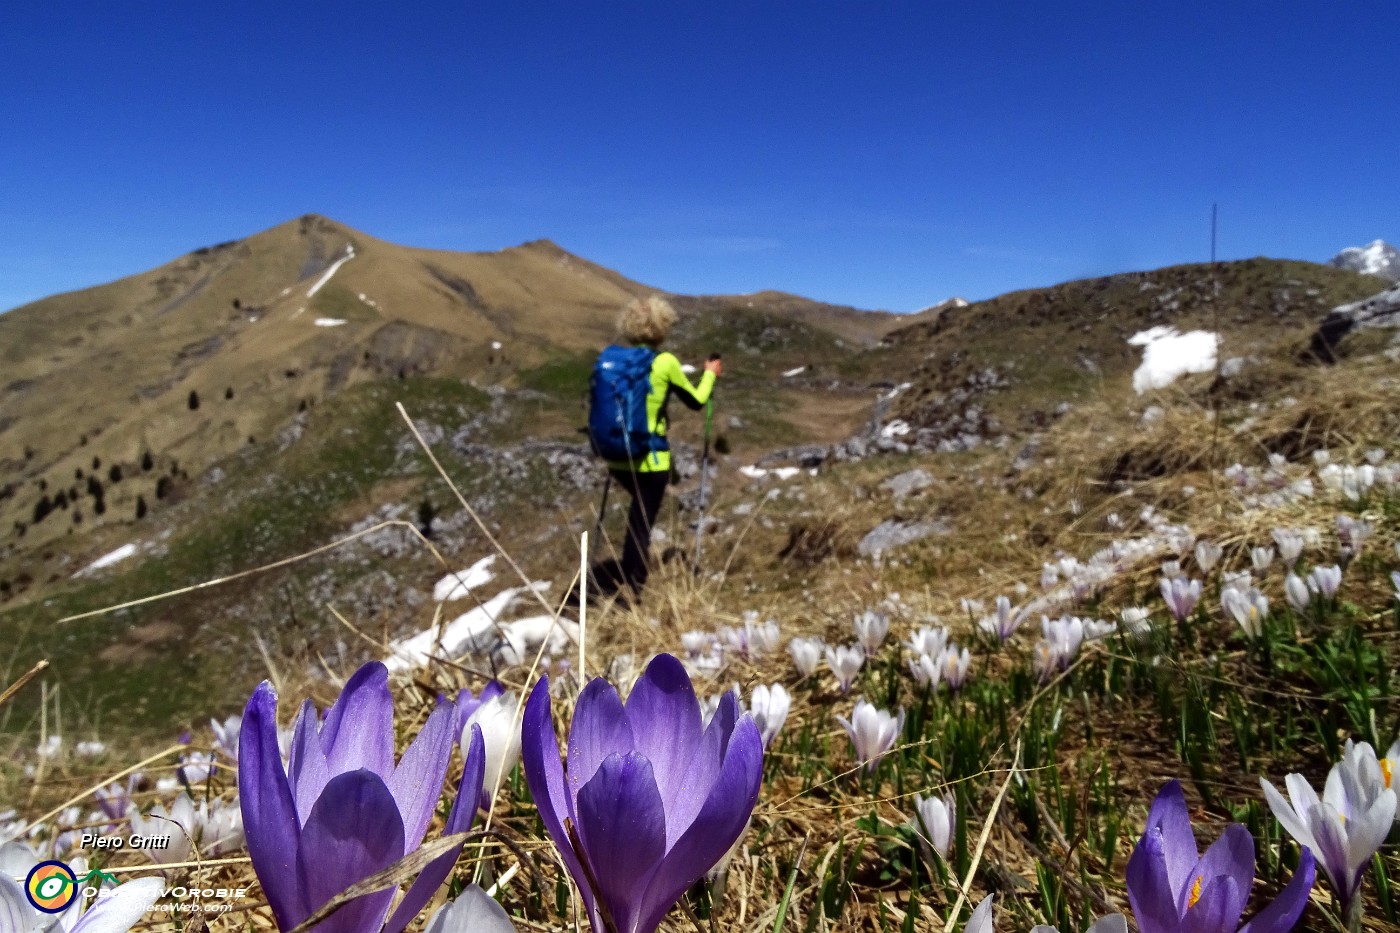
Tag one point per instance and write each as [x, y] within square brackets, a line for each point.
[180, 823]
[1290, 545]
[955, 664]
[1249, 608]
[474, 911]
[696, 643]
[220, 827]
[116, 911]
[926, 671]
[1109, 923]
[1135, 622]
[1005, 622]
[845, 662]
[1207, 555]
[929, 640]
[1352, 532]
[226, 736]
[871, 629]
[1296, 591]
[872, 731]
[500, 733]
[937, 822]
[1261, 557]
[1362, 775]
[1325, 581]
[1181, 596]
[769, 707]
[1095, 629]
[981, 919]
[1342, 834]
[806, 654]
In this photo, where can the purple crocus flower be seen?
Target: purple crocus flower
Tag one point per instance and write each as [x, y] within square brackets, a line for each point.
[649, 799]
[341, 810]
[1175, 889]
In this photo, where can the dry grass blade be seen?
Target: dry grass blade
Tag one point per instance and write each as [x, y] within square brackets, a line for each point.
[400, 871]
[100, 784]
[284, 562]
[481, 526]
[18, 685]
[982, 840]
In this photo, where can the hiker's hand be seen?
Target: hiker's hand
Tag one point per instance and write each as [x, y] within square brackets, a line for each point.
[714, 364]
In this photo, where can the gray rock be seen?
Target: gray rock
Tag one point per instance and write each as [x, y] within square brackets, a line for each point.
[907, 483]
[1380, 310]
[893, 533]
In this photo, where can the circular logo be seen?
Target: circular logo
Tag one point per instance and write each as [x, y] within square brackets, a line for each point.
[51, 887]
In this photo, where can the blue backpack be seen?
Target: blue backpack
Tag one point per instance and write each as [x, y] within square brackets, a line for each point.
[617, 405]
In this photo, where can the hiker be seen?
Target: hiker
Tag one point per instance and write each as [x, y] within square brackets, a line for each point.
[644, 324]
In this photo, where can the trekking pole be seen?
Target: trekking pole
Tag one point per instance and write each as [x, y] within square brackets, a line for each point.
[704, 468]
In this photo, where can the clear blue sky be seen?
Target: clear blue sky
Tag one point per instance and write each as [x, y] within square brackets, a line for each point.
[885, 155]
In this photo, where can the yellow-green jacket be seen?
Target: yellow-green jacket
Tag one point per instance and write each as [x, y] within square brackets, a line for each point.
[667, 380]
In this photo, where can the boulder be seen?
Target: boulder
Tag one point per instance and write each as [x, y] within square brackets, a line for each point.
[893, 533]
[1380, 310]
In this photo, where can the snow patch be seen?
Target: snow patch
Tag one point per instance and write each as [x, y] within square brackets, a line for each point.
[108, 559]
[496, 345]
[476, 631]
[896, 428]
[457, 585]
[754, 472]
[330, 321]
[794, 372]
[1168, 354]
[335, 266]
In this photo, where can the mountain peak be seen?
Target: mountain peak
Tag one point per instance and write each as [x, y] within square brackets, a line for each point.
[1376, 258]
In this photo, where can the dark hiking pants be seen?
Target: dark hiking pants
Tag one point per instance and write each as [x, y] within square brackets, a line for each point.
[647, 491]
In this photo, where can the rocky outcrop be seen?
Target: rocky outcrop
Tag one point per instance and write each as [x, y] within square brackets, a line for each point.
[1380, 310]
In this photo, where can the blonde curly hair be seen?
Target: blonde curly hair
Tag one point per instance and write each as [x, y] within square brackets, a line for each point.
[646, 320]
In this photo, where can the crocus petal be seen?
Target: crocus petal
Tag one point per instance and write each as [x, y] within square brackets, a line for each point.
[1284, 911]
[1149, 889]
[666, 724]
[358, 731]
[308, 771]
[1170, 816]
[1112, 923]
[1368, 830]
[544, 774]
[417, 782]
[15, 910]
[723, 817]
[981, 919]
[622, 828]
[599, 729]
[1330, 839]
[1219, 907]
[459, 820]
[1231, 856]
[354, 831]
[269, 814]
[474, 911]
[1291, 821]
[119, 910]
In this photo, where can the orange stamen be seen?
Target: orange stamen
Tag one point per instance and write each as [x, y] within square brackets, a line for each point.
[1195, 893]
